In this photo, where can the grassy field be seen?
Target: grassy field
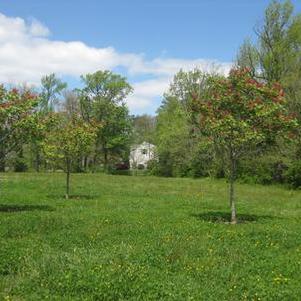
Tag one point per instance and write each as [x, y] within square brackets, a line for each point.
[146, 238]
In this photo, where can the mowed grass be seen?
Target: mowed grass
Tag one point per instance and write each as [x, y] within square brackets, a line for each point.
[146, 238]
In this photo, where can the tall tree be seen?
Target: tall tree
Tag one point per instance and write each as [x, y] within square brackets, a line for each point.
[176, 138]
[52, 87]
[102, 99]
[276, 55]
[71, 105]
[172, 138]
[239, 116]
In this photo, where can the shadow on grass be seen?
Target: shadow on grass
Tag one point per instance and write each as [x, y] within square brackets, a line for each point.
[72, 196]
[19, 208]
[82, 197]
[225, 217]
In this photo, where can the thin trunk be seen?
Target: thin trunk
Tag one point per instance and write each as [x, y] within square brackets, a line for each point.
[38, 161]
[67, 184]
[2, 163]
[232, 203]
[94, 162]
[105, 159]
[68, 180]
[231, 190]
[2, 155]
[85, 163]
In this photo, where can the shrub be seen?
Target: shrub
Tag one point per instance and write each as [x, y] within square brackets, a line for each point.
[20, 165]
[263, 170]
[293, 175]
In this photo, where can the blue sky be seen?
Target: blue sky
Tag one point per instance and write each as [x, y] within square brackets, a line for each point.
[147, 41]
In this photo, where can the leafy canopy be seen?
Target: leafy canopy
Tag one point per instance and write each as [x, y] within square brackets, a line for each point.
[239, 114]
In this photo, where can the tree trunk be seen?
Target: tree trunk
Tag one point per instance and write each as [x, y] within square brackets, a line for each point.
[67, 184]
[231, 191]
[68, 179]
[2, 153]
[232, 203]
[94, 160]
[105, 160]
[85, 163]
[37, 161]
[2, 164]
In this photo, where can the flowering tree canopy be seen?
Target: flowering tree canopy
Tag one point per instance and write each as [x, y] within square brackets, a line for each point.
[16, 111]
[238, 115]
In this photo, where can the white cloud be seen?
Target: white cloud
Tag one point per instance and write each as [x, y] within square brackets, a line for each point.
[27, 53]
[36, 28]
[146, 92]
[170, 66]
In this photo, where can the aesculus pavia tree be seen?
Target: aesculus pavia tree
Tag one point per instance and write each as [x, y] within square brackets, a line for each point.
[71, 139]
[16, 110]
[239, 115]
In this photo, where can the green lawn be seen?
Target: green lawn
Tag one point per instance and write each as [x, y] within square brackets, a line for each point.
[146, 238]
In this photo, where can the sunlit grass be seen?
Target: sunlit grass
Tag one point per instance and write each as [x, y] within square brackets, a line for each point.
[146, 238]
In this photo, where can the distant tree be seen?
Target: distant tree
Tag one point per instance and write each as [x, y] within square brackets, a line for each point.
[71, 104]
[37, 128]
[186, 83]
[172, 138]
[276, 54]
[144, 128]
[176, 135]
[103, 99]
[52, 87]
[248, 57]
[70, 140]
[239, 116]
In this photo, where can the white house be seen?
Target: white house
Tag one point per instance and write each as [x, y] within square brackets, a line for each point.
[141, 154]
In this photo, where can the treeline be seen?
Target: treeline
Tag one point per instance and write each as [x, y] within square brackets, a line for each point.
[274, 57]
[100, 104]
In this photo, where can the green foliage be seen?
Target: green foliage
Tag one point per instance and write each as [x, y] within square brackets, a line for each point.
[105, 85]
[52, 87]
[172, 137]
[68, 141]
[248, 57]
[186, 84]
[20, 165]
[265, 169]
[102, 99]
[293, 175]
[146, 238]
[16, 112]
[240, 116]
[275, 55]
[144, 129]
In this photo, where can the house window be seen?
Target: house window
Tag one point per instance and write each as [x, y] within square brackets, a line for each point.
[144, 151]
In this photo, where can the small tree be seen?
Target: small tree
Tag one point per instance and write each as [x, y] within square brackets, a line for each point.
[240, 115]
[71, 139]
